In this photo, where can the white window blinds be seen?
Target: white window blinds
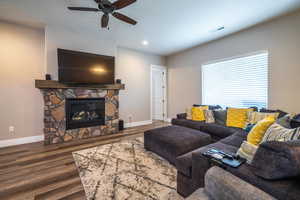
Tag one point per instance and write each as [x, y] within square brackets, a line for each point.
[239, 82]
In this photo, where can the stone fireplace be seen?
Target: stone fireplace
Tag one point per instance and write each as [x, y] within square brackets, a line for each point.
[73, 113]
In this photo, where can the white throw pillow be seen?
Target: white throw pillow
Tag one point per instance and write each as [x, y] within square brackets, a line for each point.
[247, 151]
[254, 117]
[209, 116]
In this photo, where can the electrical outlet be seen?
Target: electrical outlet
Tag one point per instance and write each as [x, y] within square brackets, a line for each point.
[11, 130]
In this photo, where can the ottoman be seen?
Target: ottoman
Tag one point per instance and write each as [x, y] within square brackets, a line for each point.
[172, 141]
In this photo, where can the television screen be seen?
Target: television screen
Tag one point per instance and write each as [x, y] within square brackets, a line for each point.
[84, 68]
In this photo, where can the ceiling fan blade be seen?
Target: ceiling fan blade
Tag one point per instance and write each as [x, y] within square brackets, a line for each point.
[104, 20]
[119, 4]
[124, 18]
[84, 9]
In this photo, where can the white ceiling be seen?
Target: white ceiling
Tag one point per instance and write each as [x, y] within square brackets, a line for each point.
[168, 25]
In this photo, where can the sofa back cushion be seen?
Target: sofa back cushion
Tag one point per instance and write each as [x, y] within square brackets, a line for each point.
[285, 121]
[237, 117]
[277, 160]
[220, 116]
[210, 107]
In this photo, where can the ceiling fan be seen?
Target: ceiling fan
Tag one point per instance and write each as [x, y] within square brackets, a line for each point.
[107, 8]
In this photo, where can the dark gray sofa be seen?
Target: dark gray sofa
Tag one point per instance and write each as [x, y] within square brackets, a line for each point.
[193, 166]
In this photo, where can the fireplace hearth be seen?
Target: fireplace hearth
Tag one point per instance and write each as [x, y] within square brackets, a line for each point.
[85, 112]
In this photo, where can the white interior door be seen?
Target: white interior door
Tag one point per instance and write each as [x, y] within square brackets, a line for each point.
[158, 93]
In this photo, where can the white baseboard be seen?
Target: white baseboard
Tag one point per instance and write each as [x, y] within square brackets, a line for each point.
[141, 123]
[24, 140]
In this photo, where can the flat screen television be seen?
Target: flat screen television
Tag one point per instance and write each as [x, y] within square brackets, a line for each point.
[85, 68]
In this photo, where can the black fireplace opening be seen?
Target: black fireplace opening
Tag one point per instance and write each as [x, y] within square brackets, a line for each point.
[85, 112]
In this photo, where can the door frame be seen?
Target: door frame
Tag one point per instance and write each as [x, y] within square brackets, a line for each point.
[163, 69]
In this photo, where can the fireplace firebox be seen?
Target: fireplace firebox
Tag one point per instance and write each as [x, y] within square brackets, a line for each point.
[84, 112]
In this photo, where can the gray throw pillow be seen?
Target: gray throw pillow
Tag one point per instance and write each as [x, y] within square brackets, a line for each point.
[277, 160]
[220, 117]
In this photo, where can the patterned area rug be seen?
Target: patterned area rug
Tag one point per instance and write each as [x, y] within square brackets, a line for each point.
[125, 170]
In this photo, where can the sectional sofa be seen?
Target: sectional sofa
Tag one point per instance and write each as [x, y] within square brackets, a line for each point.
[192, 165]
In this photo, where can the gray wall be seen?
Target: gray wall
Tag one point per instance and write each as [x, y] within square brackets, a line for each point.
[22, 61]
[133, 68]
[281, 37]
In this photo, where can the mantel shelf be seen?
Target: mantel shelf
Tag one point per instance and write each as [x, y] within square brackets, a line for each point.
[50, 84]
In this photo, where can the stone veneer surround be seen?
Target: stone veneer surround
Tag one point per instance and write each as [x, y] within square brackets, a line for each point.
[55, 120]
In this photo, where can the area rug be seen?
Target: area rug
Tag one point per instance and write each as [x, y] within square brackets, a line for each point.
[125, 170]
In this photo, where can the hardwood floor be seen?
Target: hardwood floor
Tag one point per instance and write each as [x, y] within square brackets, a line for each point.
[36, 172]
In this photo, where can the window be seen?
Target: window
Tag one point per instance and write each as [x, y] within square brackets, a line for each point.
[240, 82]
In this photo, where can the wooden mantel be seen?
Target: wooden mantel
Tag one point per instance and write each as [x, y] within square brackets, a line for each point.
[45, 84]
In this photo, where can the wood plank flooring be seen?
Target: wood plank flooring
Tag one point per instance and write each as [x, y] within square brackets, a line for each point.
[37, 172]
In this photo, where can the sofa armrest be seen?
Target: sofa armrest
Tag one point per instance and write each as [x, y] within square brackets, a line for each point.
[181, 116]
[220, 184]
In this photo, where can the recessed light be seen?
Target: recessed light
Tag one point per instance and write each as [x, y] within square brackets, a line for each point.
[145, 42]
[220, 28]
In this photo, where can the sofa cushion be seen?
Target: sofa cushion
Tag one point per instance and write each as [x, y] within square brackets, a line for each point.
[220, 116]
[184, 162]
[187, 123]
[277, 160]
[218, 130]
[172, 141]
[236, 139]
[285, 121]
[210, 107]
[181, 116]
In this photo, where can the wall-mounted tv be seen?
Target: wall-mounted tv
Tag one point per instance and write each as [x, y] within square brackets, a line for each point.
[85, 68]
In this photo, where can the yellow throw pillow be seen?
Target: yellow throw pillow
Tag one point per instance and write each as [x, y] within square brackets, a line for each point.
[237, 117]
[258, 131]
[198, 113]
